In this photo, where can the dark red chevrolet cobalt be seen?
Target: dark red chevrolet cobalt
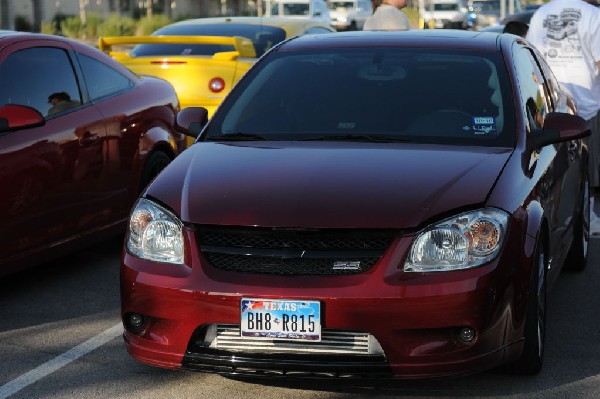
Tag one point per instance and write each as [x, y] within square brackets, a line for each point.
[80, 137]
[364, 204]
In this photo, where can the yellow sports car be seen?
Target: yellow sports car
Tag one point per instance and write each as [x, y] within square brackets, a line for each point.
[203, 58]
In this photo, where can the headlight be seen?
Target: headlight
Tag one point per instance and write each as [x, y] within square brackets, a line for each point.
[155, 233]
[462, 242]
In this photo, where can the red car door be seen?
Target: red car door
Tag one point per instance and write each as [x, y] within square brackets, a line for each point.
[49, 174]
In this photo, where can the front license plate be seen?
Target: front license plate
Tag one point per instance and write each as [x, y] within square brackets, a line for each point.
[281, 319]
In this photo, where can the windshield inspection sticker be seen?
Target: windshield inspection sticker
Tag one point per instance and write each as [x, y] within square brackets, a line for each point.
[484, 125]
[346, 125]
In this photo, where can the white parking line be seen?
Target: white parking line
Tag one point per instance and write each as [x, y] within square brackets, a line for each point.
[24, 380]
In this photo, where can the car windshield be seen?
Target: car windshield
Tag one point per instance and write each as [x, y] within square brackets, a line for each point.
[445, 6]
[486, 5]
[381, 94]
[340, 5]
[263, 37]
[290, 9]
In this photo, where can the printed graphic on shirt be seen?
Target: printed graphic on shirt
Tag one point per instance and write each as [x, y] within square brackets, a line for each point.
[562, 34]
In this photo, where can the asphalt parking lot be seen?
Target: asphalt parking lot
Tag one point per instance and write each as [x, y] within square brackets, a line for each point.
[60, 338]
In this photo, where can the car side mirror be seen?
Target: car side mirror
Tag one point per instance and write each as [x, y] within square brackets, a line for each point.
[560, 127]
[191, 120]
[13, 117]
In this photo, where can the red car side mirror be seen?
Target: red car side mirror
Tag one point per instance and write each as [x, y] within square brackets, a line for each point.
[19, 117]
[560, 127]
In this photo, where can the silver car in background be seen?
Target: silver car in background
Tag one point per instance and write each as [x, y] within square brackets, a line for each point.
[349, 14]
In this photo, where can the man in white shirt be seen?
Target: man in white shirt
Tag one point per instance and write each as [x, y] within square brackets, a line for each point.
[567, 33]
[388, 17]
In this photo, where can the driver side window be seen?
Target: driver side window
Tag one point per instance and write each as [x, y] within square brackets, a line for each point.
[22, 82]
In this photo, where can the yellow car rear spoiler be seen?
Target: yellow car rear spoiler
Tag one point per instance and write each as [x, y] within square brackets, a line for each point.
[243, 46]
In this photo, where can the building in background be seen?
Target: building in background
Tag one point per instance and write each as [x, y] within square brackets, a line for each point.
[29, 15]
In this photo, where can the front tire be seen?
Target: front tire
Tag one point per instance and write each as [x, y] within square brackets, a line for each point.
[535, 323]
[578, 253]
[155, 163]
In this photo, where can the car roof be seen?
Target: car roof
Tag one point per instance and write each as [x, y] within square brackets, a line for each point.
[266, 21]
[12, 34]
[8, 36]
[425, 38]
[4, 34]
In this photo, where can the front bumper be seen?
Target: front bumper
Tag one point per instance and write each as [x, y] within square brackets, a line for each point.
[413, 317]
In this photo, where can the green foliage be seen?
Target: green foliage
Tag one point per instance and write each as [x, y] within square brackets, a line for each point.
[48, 28]
[183, 17]
[117, 25]
[148, 25]
[114, 25]
[72, 27]
[91, 27]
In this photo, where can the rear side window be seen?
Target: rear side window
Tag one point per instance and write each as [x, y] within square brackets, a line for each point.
[101, 79]
[32, 76]
[263, 38]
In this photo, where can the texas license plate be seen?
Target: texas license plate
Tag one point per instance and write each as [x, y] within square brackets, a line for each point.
[281, 319]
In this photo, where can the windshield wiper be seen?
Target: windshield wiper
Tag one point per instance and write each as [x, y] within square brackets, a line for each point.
[376, 138]
[237, 137]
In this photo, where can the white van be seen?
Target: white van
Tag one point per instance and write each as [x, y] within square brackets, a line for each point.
[450, 14]
[315, 9]
[349, 14]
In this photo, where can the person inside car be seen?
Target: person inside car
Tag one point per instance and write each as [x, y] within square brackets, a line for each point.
[60, 101]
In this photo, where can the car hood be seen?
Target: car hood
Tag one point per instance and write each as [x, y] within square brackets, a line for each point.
[325, 185]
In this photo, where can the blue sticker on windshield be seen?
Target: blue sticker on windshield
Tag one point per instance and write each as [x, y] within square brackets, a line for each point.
[484, 125]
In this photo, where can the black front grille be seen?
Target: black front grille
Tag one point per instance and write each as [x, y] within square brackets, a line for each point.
[274, 265]
[293, 251]
[292, 239]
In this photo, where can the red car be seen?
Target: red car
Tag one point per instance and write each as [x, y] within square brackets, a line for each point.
[80, 137]
[364, 204]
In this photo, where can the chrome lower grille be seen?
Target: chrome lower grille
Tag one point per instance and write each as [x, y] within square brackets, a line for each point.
[219, 348]
[333, 342]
